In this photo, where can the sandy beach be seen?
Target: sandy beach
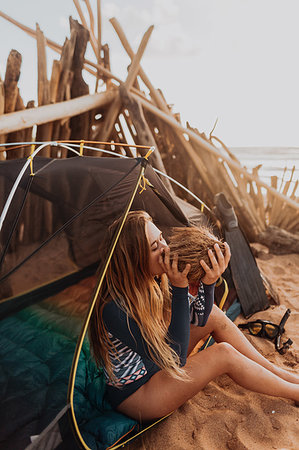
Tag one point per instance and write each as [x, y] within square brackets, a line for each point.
[226, 416]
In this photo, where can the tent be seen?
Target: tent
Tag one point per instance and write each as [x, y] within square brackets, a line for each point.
[54, 215]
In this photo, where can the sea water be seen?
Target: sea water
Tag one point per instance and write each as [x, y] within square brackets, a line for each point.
[278, 161]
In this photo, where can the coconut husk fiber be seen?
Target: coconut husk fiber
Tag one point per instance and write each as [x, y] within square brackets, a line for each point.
[191, 244]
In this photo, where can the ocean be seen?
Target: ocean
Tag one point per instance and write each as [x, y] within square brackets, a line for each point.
[274, 160]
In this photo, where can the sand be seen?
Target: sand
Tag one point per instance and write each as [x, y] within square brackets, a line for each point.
[226, 416]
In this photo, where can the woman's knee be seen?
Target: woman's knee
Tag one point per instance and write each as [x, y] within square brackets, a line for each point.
[225, 352]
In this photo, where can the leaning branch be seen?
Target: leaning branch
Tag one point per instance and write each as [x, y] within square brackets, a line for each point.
[48, 113]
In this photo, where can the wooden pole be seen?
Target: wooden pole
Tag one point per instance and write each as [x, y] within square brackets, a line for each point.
[12, 75]
[80, 125]
[156, 96]
[134, 68]
[99, 55]
[63, 89]
[29, 30]
[93, 40]
[109, 120]
[99, 16]
[2, 100]
[61, 110]
[12, 99]
[90, 13]
[44, 131]
[114, 109]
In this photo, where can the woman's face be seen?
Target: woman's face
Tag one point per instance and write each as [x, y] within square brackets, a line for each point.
[157, 246]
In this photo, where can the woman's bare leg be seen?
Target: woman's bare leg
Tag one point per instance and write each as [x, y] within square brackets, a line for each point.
[224, 330]
[163, 394]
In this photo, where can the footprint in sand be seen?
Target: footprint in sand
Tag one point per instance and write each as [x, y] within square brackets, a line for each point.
[278, 270]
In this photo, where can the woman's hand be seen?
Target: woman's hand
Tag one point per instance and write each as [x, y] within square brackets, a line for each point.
[219, 264]
[176, 278]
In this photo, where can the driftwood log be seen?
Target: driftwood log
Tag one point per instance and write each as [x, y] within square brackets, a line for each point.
[44, 131]
[279, 241]
[29, 117]
[12, 101]
[79, 124]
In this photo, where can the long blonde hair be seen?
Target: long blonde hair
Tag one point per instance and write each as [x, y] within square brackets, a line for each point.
[131, 285]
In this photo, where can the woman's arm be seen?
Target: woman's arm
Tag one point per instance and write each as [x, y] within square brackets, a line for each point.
[179, 328]
[125, 329]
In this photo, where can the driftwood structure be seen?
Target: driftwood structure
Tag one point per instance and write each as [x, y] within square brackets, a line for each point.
[132, 111]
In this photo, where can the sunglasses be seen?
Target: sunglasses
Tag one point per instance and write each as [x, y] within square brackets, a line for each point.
[269, 330]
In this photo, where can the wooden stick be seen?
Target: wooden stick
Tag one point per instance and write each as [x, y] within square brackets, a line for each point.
[2, 101]
[12, 75]
[272, 201]
[43, 90]
[28, 132]
[246, 216]
[43, 114]
[28, 30]
[18, 135]
[134, 68]
[90, 13]
[288, 183]
[293, 194]
[54, 80]
[93, 40]
[2, 97]
[110, 118]
[99, 15]
[116, 105]
[209, 147]
[106, 64]
[156, 96]
[80, 125]
[44, 131]
[12, 100]
[61, 128]
[122, 138]
[294, 224]
[260, 198]
[99, 55]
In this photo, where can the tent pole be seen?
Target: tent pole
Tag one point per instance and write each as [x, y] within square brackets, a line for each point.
[71, 386]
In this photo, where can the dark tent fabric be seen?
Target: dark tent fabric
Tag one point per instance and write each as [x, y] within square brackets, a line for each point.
[74, 200]
[50, 236]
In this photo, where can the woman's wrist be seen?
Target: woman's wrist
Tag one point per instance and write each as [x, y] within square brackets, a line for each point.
[208, 283]
[179, 287]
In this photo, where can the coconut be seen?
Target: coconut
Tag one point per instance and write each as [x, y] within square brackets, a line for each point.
[191, 244]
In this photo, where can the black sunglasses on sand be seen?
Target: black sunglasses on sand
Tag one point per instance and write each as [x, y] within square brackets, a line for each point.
[269, 330]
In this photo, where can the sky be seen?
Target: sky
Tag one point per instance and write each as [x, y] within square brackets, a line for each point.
[234, 61]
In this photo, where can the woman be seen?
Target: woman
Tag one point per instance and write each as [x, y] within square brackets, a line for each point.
[141, 332]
